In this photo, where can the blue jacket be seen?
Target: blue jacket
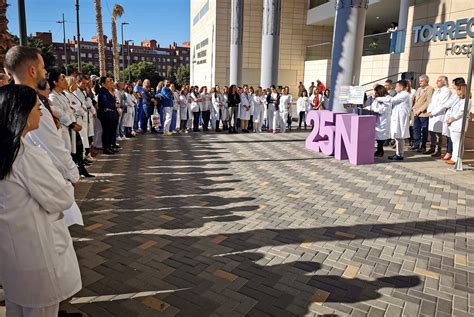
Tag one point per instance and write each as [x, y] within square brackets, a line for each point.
[106, 101]
[166, 97]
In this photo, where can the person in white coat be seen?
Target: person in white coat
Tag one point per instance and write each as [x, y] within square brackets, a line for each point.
[128, 115]
[455, 121]
[436, 111]
[225, 110]
[400, 119]
[38, 267]
[284, 107]
[61, 108]
[82, 94]
[245, 109]
[26, 65]
[195, 107]
[302, 107]
[382, 107]
[79, 110]
[258, 104]
[218, 108]
[451, 102]
[183, 109]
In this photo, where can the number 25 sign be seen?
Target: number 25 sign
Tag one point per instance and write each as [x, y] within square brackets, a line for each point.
[344, 135]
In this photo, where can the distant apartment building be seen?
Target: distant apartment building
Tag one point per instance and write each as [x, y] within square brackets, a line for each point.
[172, 56]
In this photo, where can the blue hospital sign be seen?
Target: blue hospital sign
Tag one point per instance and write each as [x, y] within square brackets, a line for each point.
[454, 30]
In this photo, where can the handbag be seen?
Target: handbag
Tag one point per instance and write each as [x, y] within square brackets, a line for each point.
[155, 119]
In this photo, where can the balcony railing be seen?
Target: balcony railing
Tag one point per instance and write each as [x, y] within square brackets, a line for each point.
[317, 3]
[376, 44]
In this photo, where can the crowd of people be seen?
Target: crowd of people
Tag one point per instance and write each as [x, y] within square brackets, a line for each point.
[51, 124]
[405, 113]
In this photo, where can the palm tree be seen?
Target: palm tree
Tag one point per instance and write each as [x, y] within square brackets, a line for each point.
[100, 37]
[5, 38]
[116, 12]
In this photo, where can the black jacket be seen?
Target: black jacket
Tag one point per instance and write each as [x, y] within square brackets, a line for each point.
[233, 100]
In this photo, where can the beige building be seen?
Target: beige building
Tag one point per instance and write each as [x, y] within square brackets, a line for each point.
[210, 41]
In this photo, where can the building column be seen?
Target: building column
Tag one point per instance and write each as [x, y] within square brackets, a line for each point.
[347, 46]
[236, 33]
[402, 24]
[270, 43]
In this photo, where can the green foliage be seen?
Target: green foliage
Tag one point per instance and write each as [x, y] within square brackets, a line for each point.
[182, 75]
[171, 75]
[86, 68]
[142, 70]
[47, 51]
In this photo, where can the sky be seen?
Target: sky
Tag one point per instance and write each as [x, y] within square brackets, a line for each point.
[166, 21]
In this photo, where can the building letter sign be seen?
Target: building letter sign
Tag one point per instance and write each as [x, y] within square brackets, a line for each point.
[454, 30]
[344, 135]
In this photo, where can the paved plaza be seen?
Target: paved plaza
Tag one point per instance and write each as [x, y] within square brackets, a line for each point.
[255, 225]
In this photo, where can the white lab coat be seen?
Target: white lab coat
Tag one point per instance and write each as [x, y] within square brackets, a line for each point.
[457, 112]
[285, 103]
[81, 115]
[205, 104]
[258, 107]
[61, 108]
[195, 105]
[303, 104]
[129, 114]
[245, 106]
[225, 109]
[217, 107]
[453, 99]
[89, 118]
[183, 107]
[400, 118]
[38, 264]
[383, 107]
[437, 108]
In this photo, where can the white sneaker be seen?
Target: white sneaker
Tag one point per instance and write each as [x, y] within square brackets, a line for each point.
[89, 157]
[119, 138]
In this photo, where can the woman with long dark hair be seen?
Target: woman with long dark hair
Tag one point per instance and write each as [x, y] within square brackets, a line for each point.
[39, 266]
[382, 107]
[233, 101]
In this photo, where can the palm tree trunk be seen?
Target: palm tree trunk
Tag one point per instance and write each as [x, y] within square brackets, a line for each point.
[5, 38]
[100, 37]
[116, 51]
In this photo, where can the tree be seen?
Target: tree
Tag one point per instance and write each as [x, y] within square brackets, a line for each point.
[182, 75]
[100, 37]
[6, 40]
[47, 51]
[171, 75]
[142, 70]
[116, 12]
[86, 68]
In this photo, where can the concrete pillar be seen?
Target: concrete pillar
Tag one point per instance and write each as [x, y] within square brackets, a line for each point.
[270, 42]
[402, 25]
[236, 33]
[347, 46]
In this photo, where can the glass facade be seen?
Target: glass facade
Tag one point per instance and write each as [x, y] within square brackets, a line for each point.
[317, 3]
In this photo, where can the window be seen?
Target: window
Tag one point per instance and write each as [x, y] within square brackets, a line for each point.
[63, 57]
[143, 58]
[89, 55]
[135, 58]
[83, 55]
[96, 55]
[201, 13]
[73, 57]
[168, 60]
[174, 60]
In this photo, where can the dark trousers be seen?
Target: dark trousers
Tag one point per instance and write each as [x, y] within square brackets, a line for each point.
[380, 145]
[206, 117]
[78, 157]
[420, 131]
[145, 117]
[108, 122]
[449, 148]
[436, 141]
[250, 127]
[302, 119]
[138, 115]
[183, 124]
[196, 116]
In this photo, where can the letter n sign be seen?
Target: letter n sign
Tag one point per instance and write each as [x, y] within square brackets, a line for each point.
[355, 136]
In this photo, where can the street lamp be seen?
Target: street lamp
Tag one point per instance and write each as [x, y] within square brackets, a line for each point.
[129, 57]
[123, 52]
[63, 22]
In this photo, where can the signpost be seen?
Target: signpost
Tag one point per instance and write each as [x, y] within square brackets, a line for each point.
[458, 166]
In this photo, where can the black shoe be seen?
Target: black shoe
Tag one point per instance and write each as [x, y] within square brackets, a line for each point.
[395, 158]
[87, 162]
[109, 151]
[63, 313]
[421, 150]
[436, 154]
[116, 147]
[218, 130]
[378, 154]
[84, 172]
[430, 151]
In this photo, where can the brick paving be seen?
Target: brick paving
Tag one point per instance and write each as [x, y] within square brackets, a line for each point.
[234, 225]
